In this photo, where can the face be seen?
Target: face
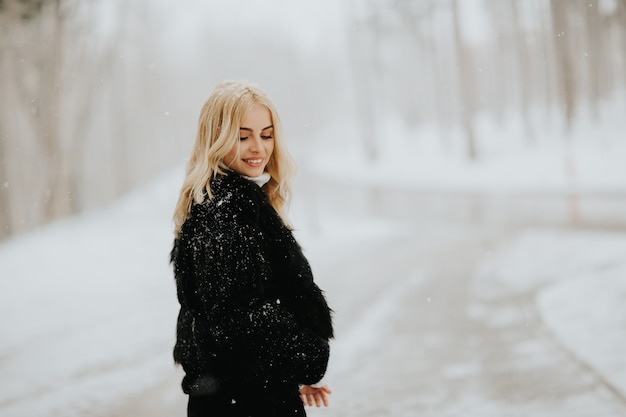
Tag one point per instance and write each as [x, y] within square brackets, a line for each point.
[251, 154]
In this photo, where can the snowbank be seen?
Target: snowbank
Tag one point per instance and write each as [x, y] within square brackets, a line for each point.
[86, 308]
[580, 281]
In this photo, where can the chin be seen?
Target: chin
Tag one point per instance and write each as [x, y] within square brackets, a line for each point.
[256, 172]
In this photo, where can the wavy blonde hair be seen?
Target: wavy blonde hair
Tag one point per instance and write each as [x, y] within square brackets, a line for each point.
[218, 132]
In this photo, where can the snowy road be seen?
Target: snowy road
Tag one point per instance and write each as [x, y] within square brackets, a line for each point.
[415, 338]
[434, 315]
[446, 352]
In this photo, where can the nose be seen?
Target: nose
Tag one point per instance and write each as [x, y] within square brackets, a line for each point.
[256, 144]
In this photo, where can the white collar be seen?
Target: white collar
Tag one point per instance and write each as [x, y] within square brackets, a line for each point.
[261, 180]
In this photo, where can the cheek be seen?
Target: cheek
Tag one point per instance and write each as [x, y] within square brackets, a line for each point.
[269, 148]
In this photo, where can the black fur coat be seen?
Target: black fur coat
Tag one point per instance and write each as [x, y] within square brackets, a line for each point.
[250, 313]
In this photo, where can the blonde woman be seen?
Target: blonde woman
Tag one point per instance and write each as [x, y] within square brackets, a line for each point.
[253, 327]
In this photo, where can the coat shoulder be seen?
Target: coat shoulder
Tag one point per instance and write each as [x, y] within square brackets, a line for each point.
[233, 194]
[234, 199]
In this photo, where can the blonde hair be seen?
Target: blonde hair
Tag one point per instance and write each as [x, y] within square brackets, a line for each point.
[218, 133]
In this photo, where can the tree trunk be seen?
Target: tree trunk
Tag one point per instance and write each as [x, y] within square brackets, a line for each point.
[464, 71]
[622, 29]
[438, 71]
[595, 63]
[50, 112]
[8, 103]
[524, 72]
[545, 40]
[501, 62]
[562, 39]
[362, 84]
[5, 198]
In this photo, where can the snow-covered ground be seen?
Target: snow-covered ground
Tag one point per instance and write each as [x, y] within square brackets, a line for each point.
[578, 279]
[88, 308]
[87, 305]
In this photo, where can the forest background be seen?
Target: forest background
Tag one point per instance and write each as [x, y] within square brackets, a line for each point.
[97, 98]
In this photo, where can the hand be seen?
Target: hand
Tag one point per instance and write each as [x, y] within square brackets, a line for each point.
[309, 394]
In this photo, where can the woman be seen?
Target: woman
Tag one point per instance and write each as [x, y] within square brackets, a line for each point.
[253, 327]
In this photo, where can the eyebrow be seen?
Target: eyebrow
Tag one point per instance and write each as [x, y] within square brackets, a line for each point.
[250, 130]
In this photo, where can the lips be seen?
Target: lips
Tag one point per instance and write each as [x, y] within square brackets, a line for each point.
[253, 161]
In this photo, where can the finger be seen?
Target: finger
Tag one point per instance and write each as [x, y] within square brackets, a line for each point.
[324, 398]
[318, 402]
[326, 389]
[310, 400]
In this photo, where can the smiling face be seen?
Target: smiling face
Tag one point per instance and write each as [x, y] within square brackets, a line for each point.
[251, 154]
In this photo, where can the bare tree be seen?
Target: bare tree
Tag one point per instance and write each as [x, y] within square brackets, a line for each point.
[6, 226]
[364, 75]
[417, 16]
[5, 216]
[51, 81]
[565, 69]
[464, 70]
[17, 108]
[499, 59]
[523, 64]
[595, 62]
[547, 77]
[621, 13]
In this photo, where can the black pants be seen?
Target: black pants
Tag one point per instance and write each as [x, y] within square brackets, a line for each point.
[283, 401]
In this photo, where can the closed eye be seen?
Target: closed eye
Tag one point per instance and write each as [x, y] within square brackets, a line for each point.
[266, 136]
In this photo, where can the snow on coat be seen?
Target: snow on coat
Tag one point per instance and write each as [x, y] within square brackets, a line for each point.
[250, 312]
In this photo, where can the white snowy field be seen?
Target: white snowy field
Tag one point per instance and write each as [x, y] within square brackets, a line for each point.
[87, 313]
[88, 306]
